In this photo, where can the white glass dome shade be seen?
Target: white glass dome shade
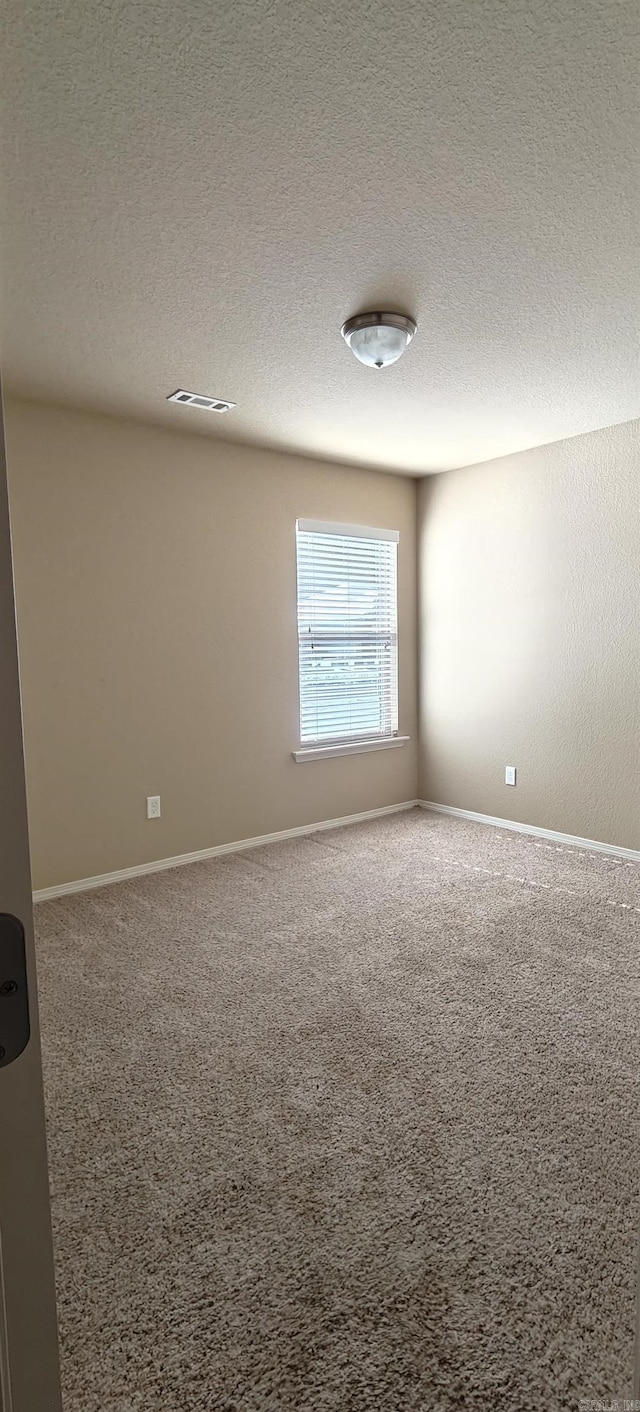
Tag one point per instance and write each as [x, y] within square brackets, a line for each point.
[378, 339]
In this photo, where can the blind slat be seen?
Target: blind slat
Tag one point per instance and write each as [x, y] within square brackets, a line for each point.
[347, 632]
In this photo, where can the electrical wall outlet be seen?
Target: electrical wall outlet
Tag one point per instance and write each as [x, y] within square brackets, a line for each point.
[153, 806]
[509, 774]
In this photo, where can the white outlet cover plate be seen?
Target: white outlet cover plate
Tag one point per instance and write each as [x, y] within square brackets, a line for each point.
[509, 774]
[153, 806]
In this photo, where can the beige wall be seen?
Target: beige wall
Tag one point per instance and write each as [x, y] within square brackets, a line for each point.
[530, 636]
[155, 580]
[155, 577]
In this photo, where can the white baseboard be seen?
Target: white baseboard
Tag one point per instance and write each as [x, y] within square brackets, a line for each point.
[594, 845]
[43, 894]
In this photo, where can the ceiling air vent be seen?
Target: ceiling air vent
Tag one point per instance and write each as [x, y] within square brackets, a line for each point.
[206, 404]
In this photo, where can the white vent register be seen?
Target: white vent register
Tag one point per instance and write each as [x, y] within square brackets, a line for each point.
[197, 399]
[347, 638]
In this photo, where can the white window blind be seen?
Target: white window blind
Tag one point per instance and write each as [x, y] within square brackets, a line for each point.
[347, 632]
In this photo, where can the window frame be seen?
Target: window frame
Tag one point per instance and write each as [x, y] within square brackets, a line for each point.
[319, 748]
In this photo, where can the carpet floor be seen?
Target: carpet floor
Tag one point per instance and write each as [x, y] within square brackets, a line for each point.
[348, 1123]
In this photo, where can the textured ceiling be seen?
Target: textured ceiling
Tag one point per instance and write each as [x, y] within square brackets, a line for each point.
[198, 195]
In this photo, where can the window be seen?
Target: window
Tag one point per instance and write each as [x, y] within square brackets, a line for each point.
[347, 635]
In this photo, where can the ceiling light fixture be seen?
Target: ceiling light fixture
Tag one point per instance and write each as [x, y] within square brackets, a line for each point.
[378, 339]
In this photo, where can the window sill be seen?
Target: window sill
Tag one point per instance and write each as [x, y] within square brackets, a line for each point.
[353, 747]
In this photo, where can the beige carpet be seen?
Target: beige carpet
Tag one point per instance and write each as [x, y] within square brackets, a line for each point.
[347, 1124]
